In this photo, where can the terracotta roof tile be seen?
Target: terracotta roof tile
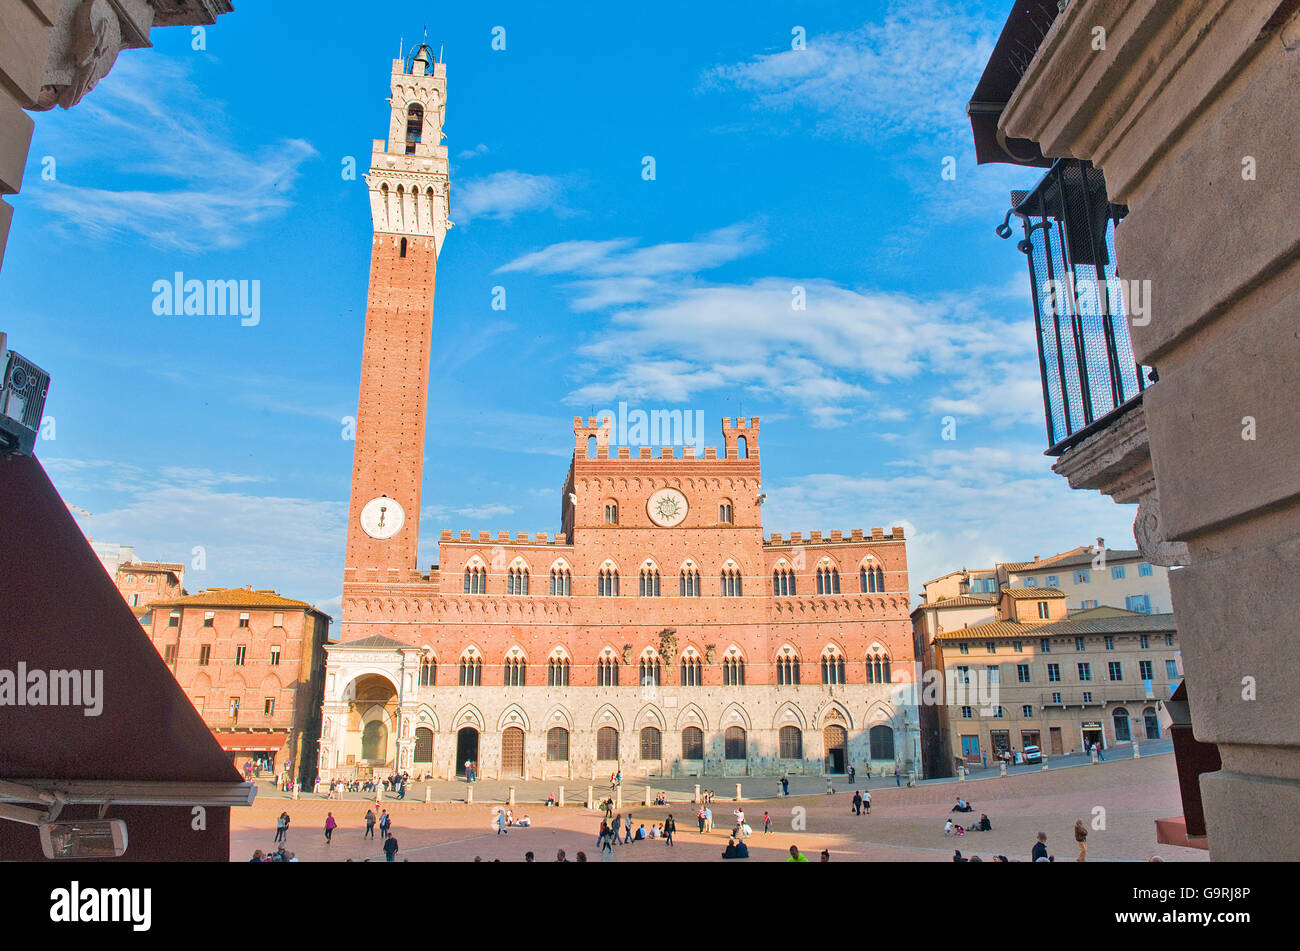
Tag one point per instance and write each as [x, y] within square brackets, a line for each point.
[234, 598]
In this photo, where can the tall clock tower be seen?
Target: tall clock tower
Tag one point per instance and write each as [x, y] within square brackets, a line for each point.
[408, 186]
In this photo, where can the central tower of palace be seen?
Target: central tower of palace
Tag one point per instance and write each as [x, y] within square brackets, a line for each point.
[408, 208]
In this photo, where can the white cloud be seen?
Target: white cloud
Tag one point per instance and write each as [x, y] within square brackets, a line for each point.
[505, 194]
[285, 542]
[146, 120]
[910, 73]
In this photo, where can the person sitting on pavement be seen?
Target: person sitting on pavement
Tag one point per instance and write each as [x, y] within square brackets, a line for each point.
[736, 849]
[985, 825]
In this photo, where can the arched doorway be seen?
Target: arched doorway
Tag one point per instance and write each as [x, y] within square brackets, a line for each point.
[423, 746]
[836, 739]
[1122, 732]
[374, 742]
[1151, 722]
[466, 748]
[882, 742]
[512, 752]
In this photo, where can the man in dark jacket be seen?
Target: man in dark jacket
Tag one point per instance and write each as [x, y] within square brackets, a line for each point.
[390, 847]
[1040, 848]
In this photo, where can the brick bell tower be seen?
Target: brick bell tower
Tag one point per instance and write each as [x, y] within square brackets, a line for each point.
[409, 188]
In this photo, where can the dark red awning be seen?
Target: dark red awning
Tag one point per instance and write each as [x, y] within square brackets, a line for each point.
[251, 742]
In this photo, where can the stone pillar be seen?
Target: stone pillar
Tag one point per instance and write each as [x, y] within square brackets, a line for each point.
[696, 798]
[1092, 755]
[560, 800]
[647, 795]
[961, 774]
[591, 799]
[1002, 768]
[1205, 175]
[428, 793]
[1137, 753]
[737, 792]
[511, 797]
[469, 792]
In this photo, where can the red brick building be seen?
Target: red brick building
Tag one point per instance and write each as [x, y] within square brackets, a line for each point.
[657, 631]
[145, 582]
[252, 663]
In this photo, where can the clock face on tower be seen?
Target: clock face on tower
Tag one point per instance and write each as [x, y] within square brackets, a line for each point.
[667, 508]
[382, 517]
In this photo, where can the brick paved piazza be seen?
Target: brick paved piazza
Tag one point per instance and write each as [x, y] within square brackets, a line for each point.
[905, 825]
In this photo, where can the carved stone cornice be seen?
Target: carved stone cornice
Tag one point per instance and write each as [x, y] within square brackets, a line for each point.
[1117, 462]
[88, 34]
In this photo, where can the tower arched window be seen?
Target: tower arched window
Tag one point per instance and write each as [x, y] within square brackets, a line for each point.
[428, 672]
[872, 579]
[690, 583]
[650, 672]
[649, 582]
[607, 583]
[724, 512]
[402, 251]
[611, 513]
[414, 126]
[517, 581]
[731, 583]
[828, 581]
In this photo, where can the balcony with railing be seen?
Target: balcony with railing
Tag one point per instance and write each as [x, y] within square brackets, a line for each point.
[1080, 303]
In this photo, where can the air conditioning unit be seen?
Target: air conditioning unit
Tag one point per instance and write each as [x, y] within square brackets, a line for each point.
[23, 388]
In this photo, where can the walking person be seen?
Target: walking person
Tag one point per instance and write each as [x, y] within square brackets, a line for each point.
[628, 829]
[501, 824]
[370, 824]
[898, 777]
[330, 825]
[699, 816]
[385, 821]
[767, 824]
[616, 825]
[669, 828]
[857, 803]
[866, 802]
[390, 847]
[785, 785]
[1081, 836]
[852, 773]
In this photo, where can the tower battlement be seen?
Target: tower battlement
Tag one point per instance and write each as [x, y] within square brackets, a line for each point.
[593, 434]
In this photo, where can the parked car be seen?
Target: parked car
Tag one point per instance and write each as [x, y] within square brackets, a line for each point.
[1033, 754]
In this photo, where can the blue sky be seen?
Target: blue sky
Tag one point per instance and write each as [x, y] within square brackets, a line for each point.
[775, 168]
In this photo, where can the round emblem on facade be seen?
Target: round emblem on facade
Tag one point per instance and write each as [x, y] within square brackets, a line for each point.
[382, 517]
[667, 508]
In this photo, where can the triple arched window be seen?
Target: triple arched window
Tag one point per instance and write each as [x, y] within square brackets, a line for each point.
[428, 672]
[607, 672]
[787, 671]
[828, 581]
[783, 583]
[475, 580]
[872, 579]
[516, 672]
[731, 583]
[560, 581]
[557, 672]
[607, 583]
[692, 672]
[649, 582]
[833, 669]
[690, 583]
[878, 669]
[471, 672]
[517, 581]
[650, 672]
[733, 671]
